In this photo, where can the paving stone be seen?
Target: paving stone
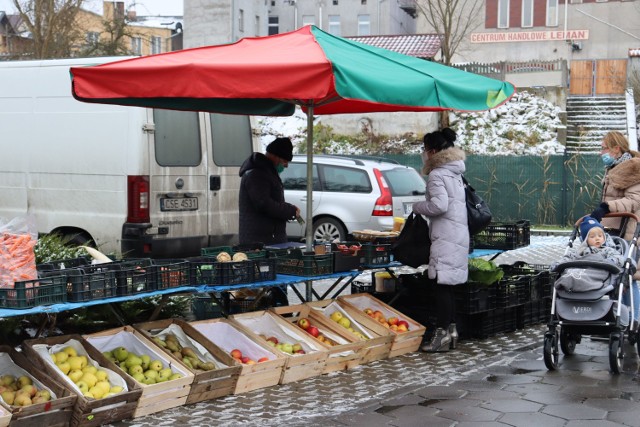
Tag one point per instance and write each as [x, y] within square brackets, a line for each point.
[610, 404]
[407, 399]
[532, 387]
[492, 395]
[511, 405]
[535, 419]
[575, 412]
[598, 391]
[469, 413]
[431, 421]
[479, 424]
[370, 419]
[552, 398]
[602, 423]
[451, 403]
[628, 418]
[440, 392]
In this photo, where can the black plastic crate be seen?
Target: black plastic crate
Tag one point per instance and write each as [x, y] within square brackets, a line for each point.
[64, 264]
[502, 235]
[208, 271]
[132, 276]
[33, 293]
[167, 274]
[90, 285]
[473, 297]
[486, 324]
[251, 251]
[511, 291]
[345, 262]
[264, 269]
[373, 254]
[298, 263]
[204, 307]
[533, 312]
[362, 288]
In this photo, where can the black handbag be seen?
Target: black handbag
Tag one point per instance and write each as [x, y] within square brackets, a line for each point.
[413, 245]
[478, 213]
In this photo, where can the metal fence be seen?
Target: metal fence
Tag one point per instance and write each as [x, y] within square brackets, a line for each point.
[549, 190]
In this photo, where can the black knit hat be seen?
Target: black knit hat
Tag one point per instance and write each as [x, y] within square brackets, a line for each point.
[281, 147]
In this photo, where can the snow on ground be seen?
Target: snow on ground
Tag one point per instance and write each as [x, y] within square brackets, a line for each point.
[526, 125]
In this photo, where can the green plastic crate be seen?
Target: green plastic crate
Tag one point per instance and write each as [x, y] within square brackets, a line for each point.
[34, 293]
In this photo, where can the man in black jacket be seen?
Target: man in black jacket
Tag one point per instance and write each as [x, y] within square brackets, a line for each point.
[263, 211]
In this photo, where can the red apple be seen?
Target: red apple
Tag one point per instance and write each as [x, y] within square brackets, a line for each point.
[300, 352]
[402, 328]
[368, 311]
[235, 353]
[392, 320]
[304, 323]
[263, 359]
[273, 340]
[403, 322]
[377, 314]
[313, 331]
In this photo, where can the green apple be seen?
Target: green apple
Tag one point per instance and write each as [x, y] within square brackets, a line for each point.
[146, 360]
[175, 376]
[155, 365]
[135, 369]
[121, 353]
[287, 348]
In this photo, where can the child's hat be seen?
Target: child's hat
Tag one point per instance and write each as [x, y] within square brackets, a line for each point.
[587, 224]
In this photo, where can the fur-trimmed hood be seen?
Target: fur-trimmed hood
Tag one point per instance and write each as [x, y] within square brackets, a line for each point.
[625, 174]
[442, 157]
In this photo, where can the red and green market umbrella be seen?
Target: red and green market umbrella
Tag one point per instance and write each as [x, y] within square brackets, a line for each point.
[269, 76]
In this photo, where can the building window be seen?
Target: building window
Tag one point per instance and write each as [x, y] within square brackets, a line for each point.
[308, 20]
[552, 13]
[527, 13]
[335, 2]
[334, 25]
[273, 25]
[93, 38]
[156, 44]
[273, 2]
[136, 45]
[363, 1]
[241, 20]
[257, 30]
[503, 13]
[364, 25]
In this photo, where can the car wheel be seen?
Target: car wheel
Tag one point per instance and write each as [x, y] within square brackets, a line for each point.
[328, 230]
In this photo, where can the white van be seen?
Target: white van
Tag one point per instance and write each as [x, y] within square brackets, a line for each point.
[137, 182]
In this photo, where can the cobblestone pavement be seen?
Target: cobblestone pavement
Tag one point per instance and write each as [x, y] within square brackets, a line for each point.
[501, 380]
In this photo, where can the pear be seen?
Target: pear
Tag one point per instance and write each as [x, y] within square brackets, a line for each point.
[208, 366]
[160, 342]
[173, 346]
[186, 351]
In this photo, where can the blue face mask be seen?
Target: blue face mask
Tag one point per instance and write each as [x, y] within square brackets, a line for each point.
[607, 159]
[279, 168]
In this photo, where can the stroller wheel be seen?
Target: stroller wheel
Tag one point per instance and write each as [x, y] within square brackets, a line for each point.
[616, 353]
[567, 342]
[550, 351]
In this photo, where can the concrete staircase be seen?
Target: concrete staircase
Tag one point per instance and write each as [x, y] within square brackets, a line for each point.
[590, 118]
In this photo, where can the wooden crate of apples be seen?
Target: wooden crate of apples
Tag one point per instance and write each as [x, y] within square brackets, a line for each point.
[165, 382]
[377, 343]
[260, 365]
[345, 350]
[304, 356]
[30, 396]
[216, 372]
[380, 317]
[78, 366]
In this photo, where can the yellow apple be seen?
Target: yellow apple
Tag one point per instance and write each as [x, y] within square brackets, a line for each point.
[89, 378]
[97, 392]
[8, 396]
[101, 375]
[60, 357]
[75, 362]
[336, 316]
[65, 367]
[115, 389]
[83, 386]
[104, 385]
[75, 375]
[91, 369]
[70, 351]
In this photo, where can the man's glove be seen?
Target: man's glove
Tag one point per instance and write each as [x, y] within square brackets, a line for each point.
[600, 211]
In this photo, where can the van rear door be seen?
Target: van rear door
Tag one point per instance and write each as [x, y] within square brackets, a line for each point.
[230, 143]
[178, 183]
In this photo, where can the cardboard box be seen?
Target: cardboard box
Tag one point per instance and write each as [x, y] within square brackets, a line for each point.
[377, 343]
[403, 342]
[345, 349]
[206, 385]
[228, 337]
[155, 397]
[261, 325]
[55, 412]
[87, 411]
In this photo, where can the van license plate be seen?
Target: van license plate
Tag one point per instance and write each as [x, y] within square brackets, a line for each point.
[408, 208]
[180, 204]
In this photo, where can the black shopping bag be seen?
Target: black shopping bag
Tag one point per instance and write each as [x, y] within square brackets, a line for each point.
[413, 244]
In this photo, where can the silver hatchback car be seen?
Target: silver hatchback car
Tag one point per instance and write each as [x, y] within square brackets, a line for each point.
[350, 193]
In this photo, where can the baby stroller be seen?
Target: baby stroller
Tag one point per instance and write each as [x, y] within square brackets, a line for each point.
[594, 305]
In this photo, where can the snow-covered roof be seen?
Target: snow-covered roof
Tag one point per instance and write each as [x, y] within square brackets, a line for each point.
[170, 22]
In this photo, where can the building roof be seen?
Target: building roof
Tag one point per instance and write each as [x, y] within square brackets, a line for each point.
[424, 46]
[634, 53]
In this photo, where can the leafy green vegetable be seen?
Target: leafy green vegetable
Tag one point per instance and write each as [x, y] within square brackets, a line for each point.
[483, 271]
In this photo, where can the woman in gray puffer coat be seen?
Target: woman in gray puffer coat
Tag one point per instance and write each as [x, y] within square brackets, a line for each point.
[445, 206]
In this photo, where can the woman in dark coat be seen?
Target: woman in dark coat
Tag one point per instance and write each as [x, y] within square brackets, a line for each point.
[446, 209]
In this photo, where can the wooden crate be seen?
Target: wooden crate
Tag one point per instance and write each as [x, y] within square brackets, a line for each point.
[378, 343]
[87, 411]
[155, 397]
[206, 385]
[348, 349]
[265, 324]
[5, 416]
[228, 337]
[56, 412]
[403, 342]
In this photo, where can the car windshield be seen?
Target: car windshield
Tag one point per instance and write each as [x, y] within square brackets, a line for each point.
[405, 182]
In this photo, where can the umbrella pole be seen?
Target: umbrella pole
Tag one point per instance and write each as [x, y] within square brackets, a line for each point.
[309, 219]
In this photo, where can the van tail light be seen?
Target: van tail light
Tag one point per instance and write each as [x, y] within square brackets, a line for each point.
[384, 204]
[138, 198]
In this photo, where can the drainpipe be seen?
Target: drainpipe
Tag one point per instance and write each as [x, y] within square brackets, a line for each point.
[379, 8]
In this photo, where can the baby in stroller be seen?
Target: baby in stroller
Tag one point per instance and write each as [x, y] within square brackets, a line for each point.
[588, 293]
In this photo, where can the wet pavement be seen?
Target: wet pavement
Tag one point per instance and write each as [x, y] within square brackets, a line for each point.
[498, 381]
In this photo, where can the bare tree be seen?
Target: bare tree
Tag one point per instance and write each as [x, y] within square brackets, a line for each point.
[52, 24]
[113, 39]
[453, 19]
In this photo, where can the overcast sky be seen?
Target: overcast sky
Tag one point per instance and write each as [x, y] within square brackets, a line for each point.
[143, 7]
